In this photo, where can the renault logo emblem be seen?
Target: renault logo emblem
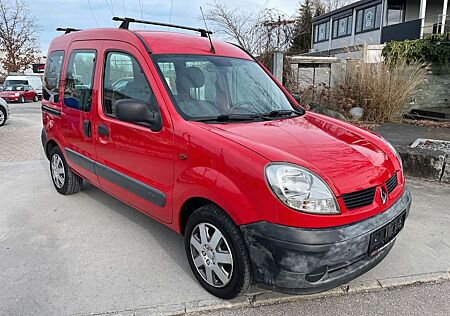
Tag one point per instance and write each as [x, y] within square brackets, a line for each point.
[383, 195]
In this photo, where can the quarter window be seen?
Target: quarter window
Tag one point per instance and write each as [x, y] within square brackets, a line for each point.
[52, 76]
[368, 19]
[79, 80]
[321, 32]
[124, 79]
[342, 26]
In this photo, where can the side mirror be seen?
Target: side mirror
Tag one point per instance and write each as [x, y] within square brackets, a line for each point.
[296, 96]
[137, 111]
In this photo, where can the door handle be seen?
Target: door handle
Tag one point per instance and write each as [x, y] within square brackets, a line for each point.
[87, 128]
[103, 130]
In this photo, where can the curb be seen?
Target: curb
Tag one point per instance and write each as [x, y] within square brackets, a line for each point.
[258, 297]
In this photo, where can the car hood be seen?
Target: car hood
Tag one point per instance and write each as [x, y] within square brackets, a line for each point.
[346, 159]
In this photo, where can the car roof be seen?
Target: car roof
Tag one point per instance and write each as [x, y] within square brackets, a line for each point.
[157, 42]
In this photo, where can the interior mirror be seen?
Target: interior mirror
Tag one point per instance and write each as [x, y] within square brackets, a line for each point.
[137, 111]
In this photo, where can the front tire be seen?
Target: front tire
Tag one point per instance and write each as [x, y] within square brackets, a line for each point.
[21, 99]
[2, 116]
[35, 98]
[217, 252]
[64, 179]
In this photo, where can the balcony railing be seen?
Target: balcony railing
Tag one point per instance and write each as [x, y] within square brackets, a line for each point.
[413, 29]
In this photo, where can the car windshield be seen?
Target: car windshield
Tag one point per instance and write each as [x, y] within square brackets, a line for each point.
[11, 82]
[14, 88]
[207, 87]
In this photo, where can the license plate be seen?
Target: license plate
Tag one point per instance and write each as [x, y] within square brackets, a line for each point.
[383, 236]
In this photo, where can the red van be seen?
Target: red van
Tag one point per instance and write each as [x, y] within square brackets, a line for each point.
[202, 138]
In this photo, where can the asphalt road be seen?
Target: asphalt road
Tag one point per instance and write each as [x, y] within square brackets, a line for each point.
[90, 253]
[424, 299]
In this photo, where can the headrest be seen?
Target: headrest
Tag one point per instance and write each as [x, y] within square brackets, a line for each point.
[193, 77]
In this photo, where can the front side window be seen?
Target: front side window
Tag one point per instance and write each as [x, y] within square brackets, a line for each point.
[14, 88]
[210, 86]
[79, 80]
[124, 79]
[342, 26]
[321, 32]
[52, 76]
[368, 19]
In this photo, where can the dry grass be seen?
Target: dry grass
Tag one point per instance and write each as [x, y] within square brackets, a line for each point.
[382, 92]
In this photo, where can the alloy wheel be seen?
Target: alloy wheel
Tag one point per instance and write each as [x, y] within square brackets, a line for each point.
[211, 254]
[58, 173]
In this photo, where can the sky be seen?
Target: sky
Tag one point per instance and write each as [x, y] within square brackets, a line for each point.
[51, 14]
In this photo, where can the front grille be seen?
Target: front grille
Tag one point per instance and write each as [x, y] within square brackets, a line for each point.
[392, 183]
[359, 198]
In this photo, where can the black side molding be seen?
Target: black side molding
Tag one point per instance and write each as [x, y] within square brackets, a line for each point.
[50, 110]
[81, 160]
[138, 188]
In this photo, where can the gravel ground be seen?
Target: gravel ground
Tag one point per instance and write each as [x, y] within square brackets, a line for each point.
[20, 137]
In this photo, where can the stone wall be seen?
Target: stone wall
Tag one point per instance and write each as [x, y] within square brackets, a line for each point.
[434, 91]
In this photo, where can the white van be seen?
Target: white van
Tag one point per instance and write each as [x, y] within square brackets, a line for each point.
[34, 80]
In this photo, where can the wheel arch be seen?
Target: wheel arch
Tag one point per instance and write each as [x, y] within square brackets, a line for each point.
[49, 146]
[188, 208]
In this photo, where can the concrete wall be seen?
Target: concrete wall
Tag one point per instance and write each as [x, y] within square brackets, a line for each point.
[372, 37]
[434, 91]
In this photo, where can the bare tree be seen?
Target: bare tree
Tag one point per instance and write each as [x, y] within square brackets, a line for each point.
[331, 5]
[254, 31]
[18, 32]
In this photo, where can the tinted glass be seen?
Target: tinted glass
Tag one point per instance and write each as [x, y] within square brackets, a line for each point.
[124, 79]
[208, 86]
[52, 76]
[79, 80]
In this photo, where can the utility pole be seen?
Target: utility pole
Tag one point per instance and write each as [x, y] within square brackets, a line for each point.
[271, 25]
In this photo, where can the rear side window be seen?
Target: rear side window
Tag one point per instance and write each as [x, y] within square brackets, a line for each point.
[79, 80]
[52, 76]
[124, 79]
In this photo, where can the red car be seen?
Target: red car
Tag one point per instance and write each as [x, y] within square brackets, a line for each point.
[204, 140]
[19, 93]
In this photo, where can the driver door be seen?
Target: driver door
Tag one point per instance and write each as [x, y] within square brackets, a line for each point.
[135, 163]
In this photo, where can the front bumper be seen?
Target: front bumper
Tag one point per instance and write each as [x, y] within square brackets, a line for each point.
[11, 99]
[302, 261]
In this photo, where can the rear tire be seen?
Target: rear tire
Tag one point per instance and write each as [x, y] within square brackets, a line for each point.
[64, 179]
[217, 252]
[35, 98]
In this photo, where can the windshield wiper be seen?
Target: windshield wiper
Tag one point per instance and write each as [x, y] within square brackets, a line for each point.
[233, 117]
[277, 113]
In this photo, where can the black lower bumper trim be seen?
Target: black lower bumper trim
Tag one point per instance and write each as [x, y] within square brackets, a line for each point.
[302, 261]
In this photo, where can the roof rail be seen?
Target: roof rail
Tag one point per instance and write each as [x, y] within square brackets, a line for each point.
[126, 23]
[67, 30]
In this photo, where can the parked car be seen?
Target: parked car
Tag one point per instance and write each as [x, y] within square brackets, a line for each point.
[4, 112]
[207, 142]
[19, 93]
[2, 87]
[33, 80]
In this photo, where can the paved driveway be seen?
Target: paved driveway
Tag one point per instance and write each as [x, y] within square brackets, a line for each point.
[90, 253]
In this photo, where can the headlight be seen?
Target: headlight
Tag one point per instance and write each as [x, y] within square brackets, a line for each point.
[395, 152]
[301, 189]
[17, 94]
